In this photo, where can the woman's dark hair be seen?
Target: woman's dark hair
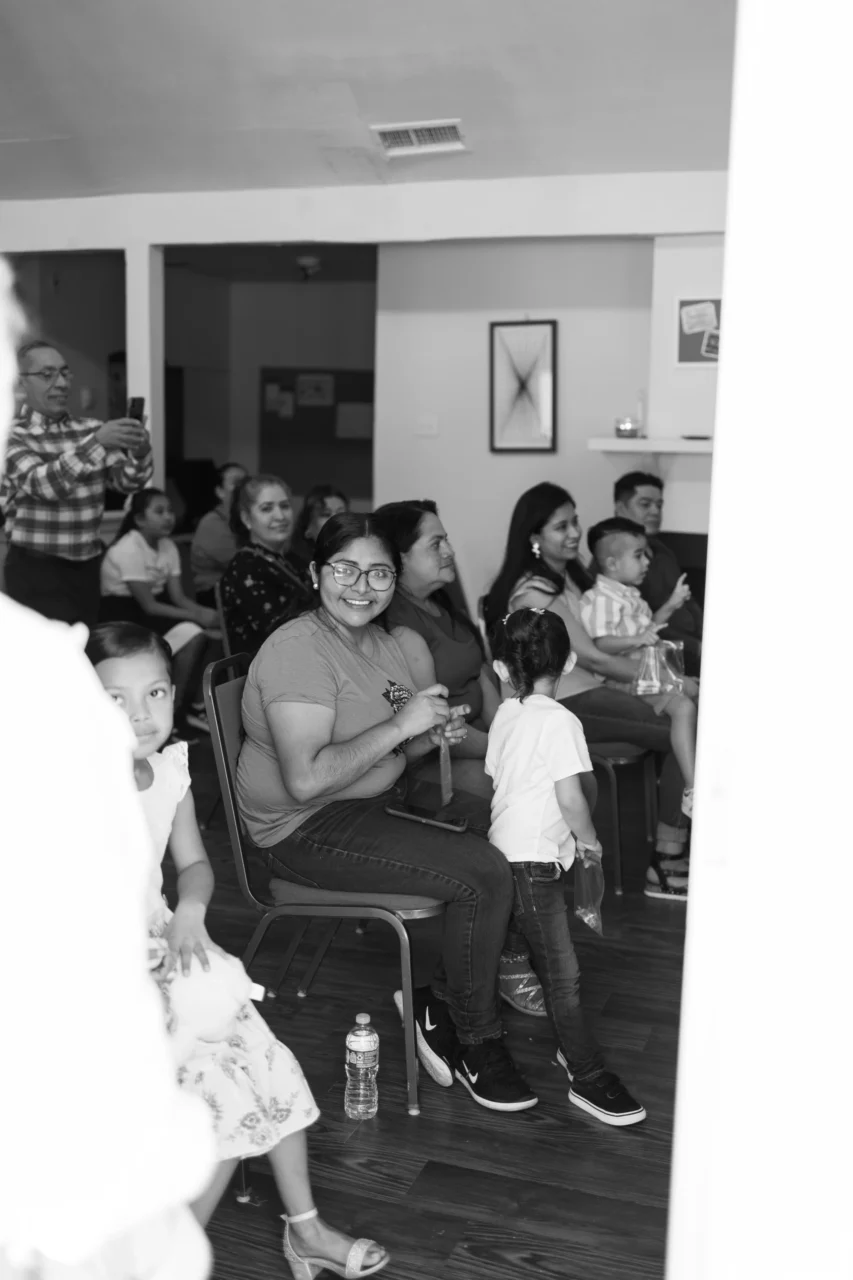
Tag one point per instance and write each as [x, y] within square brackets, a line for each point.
[314, 501]
[532, 512]
[534, 644]
[137, 507]
[245, 497]
[401, 522]
[125, 640]
[340, 530]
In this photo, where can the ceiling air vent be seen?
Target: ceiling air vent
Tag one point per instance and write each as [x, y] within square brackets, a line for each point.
[426, 137]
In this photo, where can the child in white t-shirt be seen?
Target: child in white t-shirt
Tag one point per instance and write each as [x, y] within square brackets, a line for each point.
[543, 785]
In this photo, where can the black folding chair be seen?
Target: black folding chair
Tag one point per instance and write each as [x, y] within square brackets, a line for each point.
[223, 693]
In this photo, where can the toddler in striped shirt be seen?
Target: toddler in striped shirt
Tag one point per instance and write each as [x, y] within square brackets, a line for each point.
[622, 624]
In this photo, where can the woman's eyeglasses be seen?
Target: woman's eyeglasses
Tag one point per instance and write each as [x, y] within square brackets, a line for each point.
[347, 575]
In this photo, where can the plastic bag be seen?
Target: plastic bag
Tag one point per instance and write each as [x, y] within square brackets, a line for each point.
[589, 890]
[661, 668]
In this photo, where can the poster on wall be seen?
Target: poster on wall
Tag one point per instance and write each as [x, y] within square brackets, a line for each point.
[315, 390]
[699, 322]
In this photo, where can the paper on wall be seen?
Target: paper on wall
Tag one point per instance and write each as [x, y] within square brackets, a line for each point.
[699, 317]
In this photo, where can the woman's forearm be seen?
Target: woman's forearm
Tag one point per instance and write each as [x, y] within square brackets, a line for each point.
[157, 609]
[340, 764]
[417, 748]
[472, 747]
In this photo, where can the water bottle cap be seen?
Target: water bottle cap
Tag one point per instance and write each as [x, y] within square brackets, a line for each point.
[362, 1019]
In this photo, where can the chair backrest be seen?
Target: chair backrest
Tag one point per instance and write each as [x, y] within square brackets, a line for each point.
[223, 627]
[481, 623]
[223, 686]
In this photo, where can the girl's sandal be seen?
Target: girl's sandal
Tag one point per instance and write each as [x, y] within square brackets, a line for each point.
[308, 1268]
[661, 883]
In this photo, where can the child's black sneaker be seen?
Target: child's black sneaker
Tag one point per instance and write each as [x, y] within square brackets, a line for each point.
[435, 1034]
[606, 1097]
[490, 1076]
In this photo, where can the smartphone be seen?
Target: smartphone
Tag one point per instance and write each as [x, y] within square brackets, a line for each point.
[429, 817]
[136, 408]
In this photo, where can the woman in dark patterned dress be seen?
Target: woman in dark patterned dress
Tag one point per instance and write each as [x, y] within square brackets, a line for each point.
[263, 586]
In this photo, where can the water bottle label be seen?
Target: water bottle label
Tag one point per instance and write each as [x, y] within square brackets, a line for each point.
[370, 1058]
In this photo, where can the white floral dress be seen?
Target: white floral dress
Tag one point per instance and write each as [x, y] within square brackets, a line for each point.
[252, 1083]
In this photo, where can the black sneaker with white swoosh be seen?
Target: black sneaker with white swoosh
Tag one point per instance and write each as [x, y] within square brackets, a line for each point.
[435, 1034]
[490, 1076]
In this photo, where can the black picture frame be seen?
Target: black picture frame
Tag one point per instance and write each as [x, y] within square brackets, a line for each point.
[523, 386]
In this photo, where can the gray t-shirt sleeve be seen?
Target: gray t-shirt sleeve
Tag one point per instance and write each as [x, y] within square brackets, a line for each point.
[293, 668]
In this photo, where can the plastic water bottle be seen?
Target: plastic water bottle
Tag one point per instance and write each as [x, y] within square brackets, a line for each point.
[361, 1100]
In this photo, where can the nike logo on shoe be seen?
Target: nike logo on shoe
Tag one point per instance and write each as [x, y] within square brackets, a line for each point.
[430, 1026]
[473, 1076]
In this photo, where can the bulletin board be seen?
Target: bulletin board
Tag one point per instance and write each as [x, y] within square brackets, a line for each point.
[317, 428]
[699, 321]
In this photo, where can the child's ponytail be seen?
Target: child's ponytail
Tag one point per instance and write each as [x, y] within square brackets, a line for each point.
[533, 644]
[136, 506]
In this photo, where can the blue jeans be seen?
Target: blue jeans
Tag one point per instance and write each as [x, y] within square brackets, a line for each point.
[355, 846]
[541, 915]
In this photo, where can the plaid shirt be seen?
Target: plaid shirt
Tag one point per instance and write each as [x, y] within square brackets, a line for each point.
[612, 609]
[56, 476]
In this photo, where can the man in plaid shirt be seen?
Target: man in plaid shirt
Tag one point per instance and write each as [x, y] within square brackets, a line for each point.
[57, 472]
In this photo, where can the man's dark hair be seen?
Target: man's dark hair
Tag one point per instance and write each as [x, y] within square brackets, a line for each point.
[626, 486]
[606, 529]
[34, 344]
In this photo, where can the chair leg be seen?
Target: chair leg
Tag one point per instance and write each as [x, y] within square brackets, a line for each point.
[326, 942]
[614, 818]
[244, 1193]
[256, 939]
[409, 1020]
[651, 789]
[281, 974]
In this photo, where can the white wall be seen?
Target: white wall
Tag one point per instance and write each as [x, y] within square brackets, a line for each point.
[311, 324]
[682, 399]
[613, 204]
[197, 325]
[77, 301]
[434, 307]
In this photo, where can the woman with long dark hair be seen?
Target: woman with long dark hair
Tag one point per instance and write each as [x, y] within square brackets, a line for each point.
[441, 644]
[541, 570]
[332, 720]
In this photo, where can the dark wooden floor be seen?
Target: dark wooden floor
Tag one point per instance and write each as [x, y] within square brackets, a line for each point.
[461, 1192]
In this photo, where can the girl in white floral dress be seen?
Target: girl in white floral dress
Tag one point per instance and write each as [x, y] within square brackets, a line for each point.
[259, 1100]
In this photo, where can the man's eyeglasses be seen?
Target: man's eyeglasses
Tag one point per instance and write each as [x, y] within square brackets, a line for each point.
[347, 575]
[49, 376]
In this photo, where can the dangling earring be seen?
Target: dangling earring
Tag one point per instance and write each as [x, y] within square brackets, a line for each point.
[536, 550]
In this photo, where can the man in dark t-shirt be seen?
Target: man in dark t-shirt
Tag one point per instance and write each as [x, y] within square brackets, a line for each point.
[639, 496]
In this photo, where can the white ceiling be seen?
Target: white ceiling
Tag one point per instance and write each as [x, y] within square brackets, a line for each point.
[109, 96]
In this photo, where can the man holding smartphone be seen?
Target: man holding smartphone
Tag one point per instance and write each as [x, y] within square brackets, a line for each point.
[58, 469]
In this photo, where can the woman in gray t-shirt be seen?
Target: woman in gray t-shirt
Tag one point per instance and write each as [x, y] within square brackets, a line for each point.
[331, 722]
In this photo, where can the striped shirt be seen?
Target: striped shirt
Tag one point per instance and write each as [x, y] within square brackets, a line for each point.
[57, 473]
[612, 609]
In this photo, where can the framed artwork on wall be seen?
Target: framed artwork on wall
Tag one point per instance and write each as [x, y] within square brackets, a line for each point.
[523, 386]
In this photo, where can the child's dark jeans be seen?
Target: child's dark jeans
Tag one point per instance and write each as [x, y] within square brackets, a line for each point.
[541, 915]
